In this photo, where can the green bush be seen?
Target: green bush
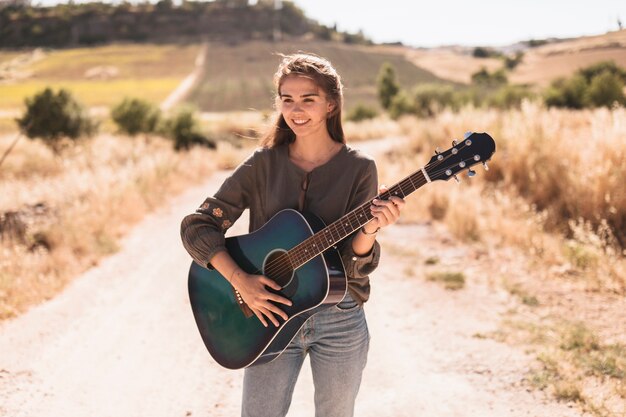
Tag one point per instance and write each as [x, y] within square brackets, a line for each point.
[184, 129]
[595, 70]
[361, 112]
[601, 84]
[401, 104]
[570, 93]
[484, 52]
[133, 116]
[52, 116]
[430, 99]
[606, 89]
[387, 85]
[510, 62]
[509, 96]
[489, 79]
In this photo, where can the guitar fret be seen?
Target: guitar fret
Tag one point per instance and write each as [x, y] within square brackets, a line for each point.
[338, 230]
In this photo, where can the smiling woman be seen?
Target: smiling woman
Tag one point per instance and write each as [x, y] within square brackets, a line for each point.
[304, 165]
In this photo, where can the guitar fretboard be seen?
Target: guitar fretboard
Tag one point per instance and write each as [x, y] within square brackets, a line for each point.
[335, 232]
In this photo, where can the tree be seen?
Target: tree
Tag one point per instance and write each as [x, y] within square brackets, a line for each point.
[134, 116]
[387, 84]
[52, 116]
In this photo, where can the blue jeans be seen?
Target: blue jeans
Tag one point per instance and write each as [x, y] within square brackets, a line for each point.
[337, 340]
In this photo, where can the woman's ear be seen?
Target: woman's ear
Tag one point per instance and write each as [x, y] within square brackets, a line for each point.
[331, 107]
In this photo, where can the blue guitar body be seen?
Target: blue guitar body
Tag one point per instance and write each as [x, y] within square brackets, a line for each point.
[236, 340]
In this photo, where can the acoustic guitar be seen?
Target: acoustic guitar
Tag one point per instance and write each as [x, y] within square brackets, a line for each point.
[298, 251]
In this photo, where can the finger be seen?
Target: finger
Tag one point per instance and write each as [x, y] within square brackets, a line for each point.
[269, 315]
[259, 315]
[274, 309]
[277, 298]
[399, 202]
[384, 215]
[270, 283]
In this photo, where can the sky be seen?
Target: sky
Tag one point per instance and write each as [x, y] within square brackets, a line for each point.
[466, 22]
[462, 22]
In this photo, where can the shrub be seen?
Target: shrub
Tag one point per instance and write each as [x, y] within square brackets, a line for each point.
[568, 93]
[133, 116]
[606, 89]
[401, 104]
[52, 116]
[509, 96]
[510, 62]
[361, 112]
[387, 85]
[601, 84]
[183, 128]
[430, 99]
[595, 70]
[484, 78]
[483, 52]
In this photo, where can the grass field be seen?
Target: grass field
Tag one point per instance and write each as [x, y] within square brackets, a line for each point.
[103, 75]
[239, 77]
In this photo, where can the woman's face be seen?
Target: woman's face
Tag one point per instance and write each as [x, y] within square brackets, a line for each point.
[304, 106]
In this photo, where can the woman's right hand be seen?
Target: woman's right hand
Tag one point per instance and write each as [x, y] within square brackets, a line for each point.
[254, 292]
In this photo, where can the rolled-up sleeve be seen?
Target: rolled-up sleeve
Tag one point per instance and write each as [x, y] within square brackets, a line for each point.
[361, 266]
[202, 232]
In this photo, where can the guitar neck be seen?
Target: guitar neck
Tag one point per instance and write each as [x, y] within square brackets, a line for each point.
[335, 232]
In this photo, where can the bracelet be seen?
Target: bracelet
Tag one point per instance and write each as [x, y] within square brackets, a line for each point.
[369, 234]
[230, 281]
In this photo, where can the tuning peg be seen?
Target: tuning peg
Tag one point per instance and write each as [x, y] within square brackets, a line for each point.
[486, 166]
[456, 178]
[454, 142]
[467, 134]
[471, 173]
[437, 151]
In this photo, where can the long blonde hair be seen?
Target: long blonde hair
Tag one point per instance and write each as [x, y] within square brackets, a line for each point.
[325, 77]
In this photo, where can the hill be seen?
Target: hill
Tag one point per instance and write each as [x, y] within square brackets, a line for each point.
[540, 65]
[547, 62]
[239, 77]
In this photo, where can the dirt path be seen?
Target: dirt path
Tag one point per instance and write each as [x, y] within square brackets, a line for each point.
[121, 340]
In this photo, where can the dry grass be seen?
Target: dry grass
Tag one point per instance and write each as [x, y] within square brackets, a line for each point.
[554, 198]
[554, 171]
[77, 206]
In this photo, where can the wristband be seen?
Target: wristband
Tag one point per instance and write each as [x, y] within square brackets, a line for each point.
[369, 234]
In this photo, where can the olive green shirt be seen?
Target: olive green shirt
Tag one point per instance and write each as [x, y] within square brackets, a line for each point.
[267, 182]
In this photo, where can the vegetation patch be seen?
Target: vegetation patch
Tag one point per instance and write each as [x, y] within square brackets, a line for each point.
[450, 280]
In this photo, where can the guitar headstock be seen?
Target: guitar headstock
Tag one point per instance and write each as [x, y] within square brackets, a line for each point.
[475, 148]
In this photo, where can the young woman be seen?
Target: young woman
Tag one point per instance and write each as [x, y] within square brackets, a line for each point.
[303, 164]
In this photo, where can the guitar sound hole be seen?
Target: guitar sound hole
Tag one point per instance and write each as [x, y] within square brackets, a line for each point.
[278, 268]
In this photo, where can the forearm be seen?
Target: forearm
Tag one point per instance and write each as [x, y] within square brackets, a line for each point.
[364, 239]
[227, 267]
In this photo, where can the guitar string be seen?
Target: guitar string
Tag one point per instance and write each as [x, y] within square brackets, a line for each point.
[284, 261]
[283, 264]
[348, 217]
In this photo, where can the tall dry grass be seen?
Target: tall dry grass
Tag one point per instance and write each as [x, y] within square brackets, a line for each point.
[554, 171]
[76, 206]
[554, 200]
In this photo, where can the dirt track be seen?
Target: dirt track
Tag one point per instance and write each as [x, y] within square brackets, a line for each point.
[121, 340]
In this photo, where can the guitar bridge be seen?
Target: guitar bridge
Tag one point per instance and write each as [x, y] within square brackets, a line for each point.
[247, 311]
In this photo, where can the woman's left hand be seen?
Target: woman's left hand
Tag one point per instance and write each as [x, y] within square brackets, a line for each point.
[385, 212]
